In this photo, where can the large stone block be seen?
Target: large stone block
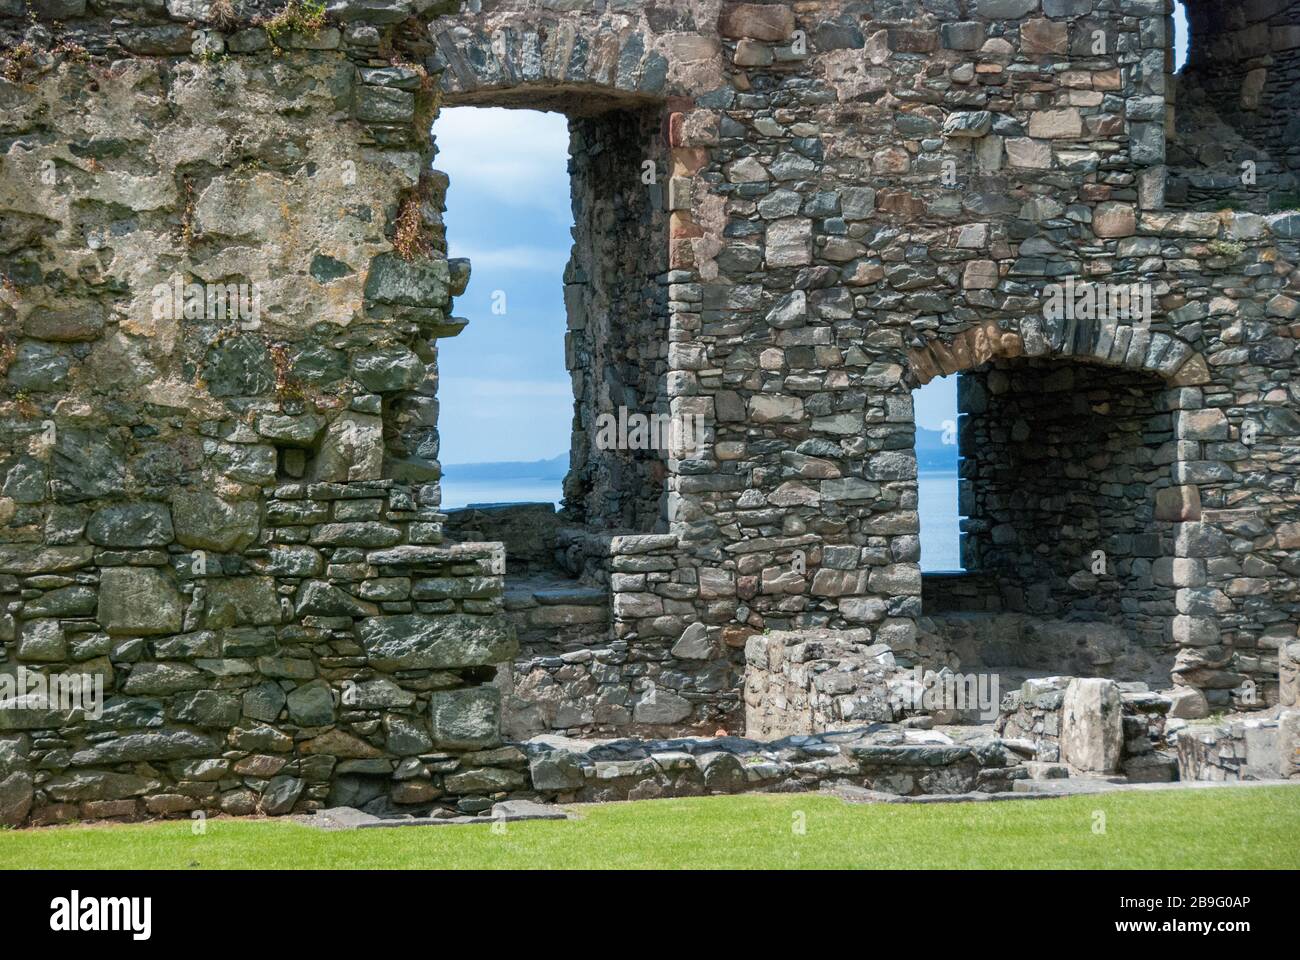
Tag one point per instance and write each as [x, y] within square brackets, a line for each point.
[239, 601]
[205, 521]
[42, 641]
[1288, 668]
[140, 601]
[16, 794]
[1092, 730]
[468, 719]
[1006, 9]
[437, 642]
[1288, 745]
[131, 525]
[755, 21]
[1056, 124]
[353, 449]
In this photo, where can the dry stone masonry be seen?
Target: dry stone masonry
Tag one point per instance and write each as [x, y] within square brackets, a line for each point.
[224, 275]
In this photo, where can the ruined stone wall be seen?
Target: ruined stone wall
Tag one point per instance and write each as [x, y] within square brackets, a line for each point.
[225, 509]
[617, 345]
[879, 193]
[860, 195]
[1233, 139]
[1060, 462]
[1244, 63]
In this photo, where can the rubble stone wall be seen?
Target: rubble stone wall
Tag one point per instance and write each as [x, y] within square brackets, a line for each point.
[1244, 62]
[225, 508]
[1062, 474]
[859, 195]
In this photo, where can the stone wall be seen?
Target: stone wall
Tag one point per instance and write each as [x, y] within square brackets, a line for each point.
[530, 533]
[1234, 104]
[866, 195]
[1066, 494]
[806, 682]
[1096, 726]
[858, 196]
[616, 290]
[223, 273]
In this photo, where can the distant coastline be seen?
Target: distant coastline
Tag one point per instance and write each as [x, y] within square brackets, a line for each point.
[542, 481]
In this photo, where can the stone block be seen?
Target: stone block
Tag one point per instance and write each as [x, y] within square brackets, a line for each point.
[139, 601]
[467, 719]
[1092, 732]
[772, 22]
[437, 642]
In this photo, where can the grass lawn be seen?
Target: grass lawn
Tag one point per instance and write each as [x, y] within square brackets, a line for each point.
[1248, 828]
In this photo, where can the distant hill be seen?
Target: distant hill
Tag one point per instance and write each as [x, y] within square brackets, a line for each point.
[932, 456]
[552, 469]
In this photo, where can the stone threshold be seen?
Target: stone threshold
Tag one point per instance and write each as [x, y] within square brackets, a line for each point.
[507, 811]
[1049, 789]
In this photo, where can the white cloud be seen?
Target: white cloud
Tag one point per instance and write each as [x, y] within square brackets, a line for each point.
[547, 260]
[507, 156]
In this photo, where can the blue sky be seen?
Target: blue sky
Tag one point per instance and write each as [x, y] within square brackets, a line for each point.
[504, 392]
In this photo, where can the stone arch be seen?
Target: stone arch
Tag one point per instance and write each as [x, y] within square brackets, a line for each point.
[1030, 524]
[1129, 347]
[532, 59]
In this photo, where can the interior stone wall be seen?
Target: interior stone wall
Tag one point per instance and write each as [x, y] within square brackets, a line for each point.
[616, 295]
[1235, 103]
[1060, 462]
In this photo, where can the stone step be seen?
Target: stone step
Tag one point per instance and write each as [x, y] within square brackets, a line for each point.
[1042, 770]
[575, 596]
[565, 616]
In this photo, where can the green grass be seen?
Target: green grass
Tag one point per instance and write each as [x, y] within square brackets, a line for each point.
[1250, 828]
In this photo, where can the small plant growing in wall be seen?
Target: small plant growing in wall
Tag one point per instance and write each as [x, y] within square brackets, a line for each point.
[8, 352]
[304, 17]
[1227, 249]
[187, 232]
[410, 237]
[71, 51]
[16, 61]
[221, 14]
[288, 389]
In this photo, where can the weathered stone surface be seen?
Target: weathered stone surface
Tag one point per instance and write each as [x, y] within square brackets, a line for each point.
[42, 641]
[353, 449]
[138, 601]
[208, 522]
[168, 745]
[281, 794]
[134, 525]
[16, 792]
[236, 601]
[757, 21]
[312, 704]
[163, 678]
[416, 642]
[1092, 734]
[465, 719]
